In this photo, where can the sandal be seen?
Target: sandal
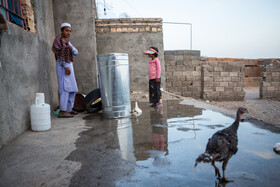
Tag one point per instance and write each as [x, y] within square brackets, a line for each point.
[159, 106]
[73, 113]
[65, 115]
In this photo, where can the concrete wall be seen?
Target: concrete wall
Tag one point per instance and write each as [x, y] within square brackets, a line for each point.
[190, 76]
[132, 36]
[183, 72]
[270, 86]
[80, 14]
[223, 81]
[27, 67]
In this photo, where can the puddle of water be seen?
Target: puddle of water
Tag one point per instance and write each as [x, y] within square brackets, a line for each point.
[160, 148]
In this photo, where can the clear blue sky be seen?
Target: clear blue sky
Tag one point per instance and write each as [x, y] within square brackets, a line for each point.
[220, 28]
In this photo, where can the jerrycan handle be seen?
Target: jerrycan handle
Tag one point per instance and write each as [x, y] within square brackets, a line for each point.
[36, 101]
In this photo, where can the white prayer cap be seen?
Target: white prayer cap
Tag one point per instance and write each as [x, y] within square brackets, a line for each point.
[65, 25]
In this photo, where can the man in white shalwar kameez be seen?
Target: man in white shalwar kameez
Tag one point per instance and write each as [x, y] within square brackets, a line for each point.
[67, 84]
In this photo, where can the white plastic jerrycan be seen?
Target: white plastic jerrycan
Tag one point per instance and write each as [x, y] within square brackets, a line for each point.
[40, 114]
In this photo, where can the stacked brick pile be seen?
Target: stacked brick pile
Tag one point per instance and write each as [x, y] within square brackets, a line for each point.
[183, 73]
[223, 81]
[28, 15]
[270, 86]
[128, 25]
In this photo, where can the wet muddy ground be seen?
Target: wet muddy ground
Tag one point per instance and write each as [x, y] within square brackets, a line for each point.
[159, 148]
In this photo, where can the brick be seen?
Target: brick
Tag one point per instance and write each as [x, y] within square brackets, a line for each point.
[232, 84]
[218, 79]
[179, 63]
[233, 74]
[177, 84]
[196, 73]
[223, 84]
[271, 88]
[225, 74]
[169, 57]
[206, 89]
[237, 88]
[171, 68]
[179, 57]
[237, 79]
[276, 74]
[180, 68]
[218, 69]
[219, 89]
[178, 73]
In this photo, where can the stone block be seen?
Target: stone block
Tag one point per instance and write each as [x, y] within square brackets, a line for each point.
[218, 69]
[169, 74]
[233, 74]
[207, 89]
[178, 73]
[216, 84]
[271, 88]
[189, 76]
[179, 57]
[197, 78]
[276, 74]
[265, 84]
[179, 63]
[276, 84]
[181, 79]
[168, 84]
[170, 79]
[229, 89]
[168, 56]
[171, 68]
[187, 58]
[213, 63]
[187, 62]
[196, 83]
[236, 79]
[223, 84]
[236, 89]
[232, 84]
[177, 84]
[219, 89]
[196, 73]
[218, 79]
[180, 68]
[224, 74]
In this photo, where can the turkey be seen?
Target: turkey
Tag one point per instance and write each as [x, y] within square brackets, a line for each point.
[221, 146]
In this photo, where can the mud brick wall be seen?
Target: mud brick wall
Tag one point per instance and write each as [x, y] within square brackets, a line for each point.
[128, 25]
[183, 73]
[270, 86]
[223, 81]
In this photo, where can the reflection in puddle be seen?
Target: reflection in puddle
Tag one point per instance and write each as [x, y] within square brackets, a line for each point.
[159, 148]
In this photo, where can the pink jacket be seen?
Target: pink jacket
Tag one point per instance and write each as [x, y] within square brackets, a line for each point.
[154, 69]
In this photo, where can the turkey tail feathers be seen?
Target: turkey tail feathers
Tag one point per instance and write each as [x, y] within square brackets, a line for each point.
[205, 157]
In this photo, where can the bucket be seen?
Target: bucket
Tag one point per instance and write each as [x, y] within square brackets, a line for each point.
[40, 114]
[114, 85]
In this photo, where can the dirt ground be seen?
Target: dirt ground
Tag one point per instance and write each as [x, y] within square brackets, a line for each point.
[264, 110]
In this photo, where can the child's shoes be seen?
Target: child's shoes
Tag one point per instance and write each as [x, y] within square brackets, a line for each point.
[159, 106]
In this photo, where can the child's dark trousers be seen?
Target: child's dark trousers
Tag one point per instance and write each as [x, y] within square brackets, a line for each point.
[154, 91]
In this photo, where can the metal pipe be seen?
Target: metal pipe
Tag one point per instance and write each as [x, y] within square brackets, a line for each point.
[183, 24]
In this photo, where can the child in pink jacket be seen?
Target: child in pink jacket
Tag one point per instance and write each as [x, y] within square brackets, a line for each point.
[154, 78]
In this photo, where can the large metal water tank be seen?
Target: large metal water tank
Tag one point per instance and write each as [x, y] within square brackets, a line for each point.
[114, 84]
